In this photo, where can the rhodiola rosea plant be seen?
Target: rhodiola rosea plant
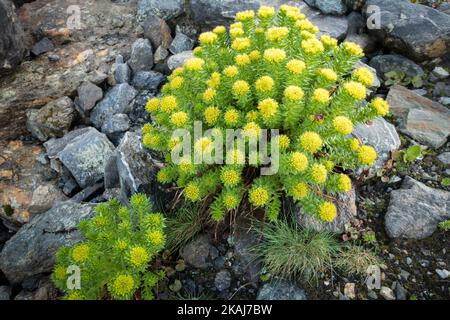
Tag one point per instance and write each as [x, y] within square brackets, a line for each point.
[269, 71]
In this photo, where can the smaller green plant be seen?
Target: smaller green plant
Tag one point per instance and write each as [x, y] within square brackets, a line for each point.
[355, 260]
[400, 77]
[183, 226]
[445, 182]
[444, 225]
[369, 237]
[289, 251]
[120, 242]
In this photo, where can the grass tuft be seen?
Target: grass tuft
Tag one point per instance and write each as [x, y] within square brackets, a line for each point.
[355, 260]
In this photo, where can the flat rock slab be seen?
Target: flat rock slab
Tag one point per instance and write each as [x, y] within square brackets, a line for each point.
[86, 155]
[415, 210]
[417, 31]
[32, 249]
[422, 119]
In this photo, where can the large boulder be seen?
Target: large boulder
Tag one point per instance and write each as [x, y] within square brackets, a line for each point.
[417, 31]
[12, 44]
[32, 249]
[132, 168]
[422, 119]
[415, 210]
[51, 121]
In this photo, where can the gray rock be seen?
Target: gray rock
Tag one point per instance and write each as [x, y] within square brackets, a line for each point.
[422, 119]
[281, 290]
[442, 89]
[115, 126]
[444, 158]
[387, 293]
[88, 95]
[178, 60]
[444, 7]
[346, 213]
[199, 253]
[334, 7]
[86, 155]
[167, 9]
[54, 146]
[222, 281]
[440, 73]
[148, 80]
[141, 58]
[443, 274]
[415, 210]
[122, 71]
[132, 168]
[383, 137]
[366, 42]
[5, 293]
[51, 121]
[44, 197]
[42, 46]
[161, 54]
[32, 249]
[181, 43]
[336, 27]
[116, 100]
[418, 31]
[12, 38]
[376, 81]
[157, 31]
[444, 101]
[395, 62]
[400, 292]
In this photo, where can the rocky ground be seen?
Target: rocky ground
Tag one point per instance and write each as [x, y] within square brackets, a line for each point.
[72, 104]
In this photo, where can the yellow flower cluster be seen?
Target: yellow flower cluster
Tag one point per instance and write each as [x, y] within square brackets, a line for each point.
[381, 106]
[123, 285]
[321, 95]
[259, 196]
[343, 125]
[327, 212]
[296, 66]
[328, 74]
[268, 108]
[293, 93]
[209, 94]
[264, 84]
[311, 141]
[274, 55]
[299, 161]
[265, 12]
[300, 190]
[156, 238]
[80, 253]
[192, 192]
[364, 75]
[230, 177]
[367, 155]
[138, 256]
[194, 64]
[245, 15]
[355, 89]
[353, 48]
[231, 71]
[319, 173]
[231, 117]
[179, 119]
[207, 38]
[241, 88]
[240, 44]
[276, 33]
[345, 183]
[312, 46]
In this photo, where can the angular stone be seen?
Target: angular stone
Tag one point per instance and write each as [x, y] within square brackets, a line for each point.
[418, 31]
[199, 253]
[281, 290]
[440, 73]
[5, 293]
[181, 43]
[88, 95]
[336, 27]
[161, 54]
[116, 100]
[132, 168]
[167, 9]
[333, 7]
[148, 80]
[53, 146]
[86, 156]
[157, 31]
[381, 135]
[178, 60]
[44, 197]
[32, 249]
[415, 210]
[115, 126]
[444, 158]
[346, 213]
[122, 71]
[12, 38]
[222, 281]
[141, 58]
[397, 63]
[422, 119]
[51, 121]
[43, 46]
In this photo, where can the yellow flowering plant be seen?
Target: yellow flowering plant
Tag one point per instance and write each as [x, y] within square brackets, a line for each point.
[114, 259]
[270, 71]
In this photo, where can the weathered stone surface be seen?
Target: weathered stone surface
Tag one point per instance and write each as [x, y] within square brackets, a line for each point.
[5, 293]
[366, 42]
[20, 175]
[281, 290]
[84, 54]
[141, 56]
[86, 155]
[178, 60]
[418, 31]
[116, 100]
[415, 210]
[222, 280]
[115, 126]
[32, 249]
[88, 95]
[167, 9]
[12, 45]
[422, 119]
[397, 63]
[346, 213]
[54, 146]
[381, 135]
[122, 71]
[148, 80]
[181, 43]
[51, 121]
[336, 27]
[161, 54]
[444, 158]
[132, 168]
[44, 197]
[157, 31]
[199, 253]
[335, 7]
